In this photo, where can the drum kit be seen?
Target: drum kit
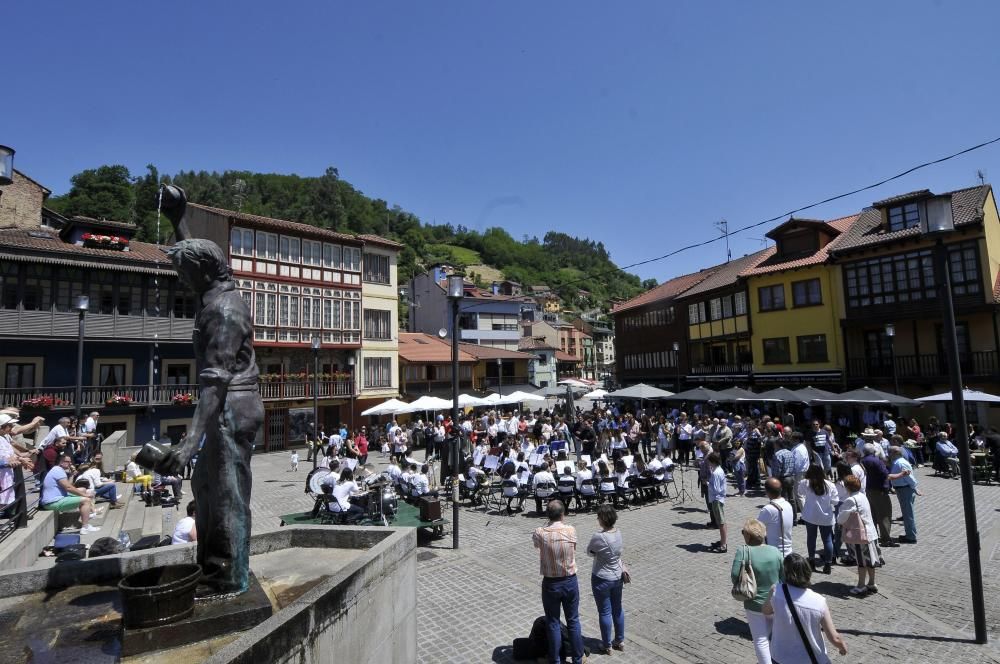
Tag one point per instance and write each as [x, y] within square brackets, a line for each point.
[378, 501]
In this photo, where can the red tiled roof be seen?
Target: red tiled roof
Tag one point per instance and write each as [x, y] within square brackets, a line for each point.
[381, 241]
[566, 357]
[279, 224]
[492, 352]
[47, 246]
[666, 290]
[772, 263]
[420, 348]
[726, 274]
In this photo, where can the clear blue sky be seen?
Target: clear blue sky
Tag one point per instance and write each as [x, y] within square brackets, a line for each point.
[639, 124]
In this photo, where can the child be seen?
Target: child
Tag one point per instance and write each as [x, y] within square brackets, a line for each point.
[295, 461]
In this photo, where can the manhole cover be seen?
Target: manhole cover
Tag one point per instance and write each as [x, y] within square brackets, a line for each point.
[424, 556]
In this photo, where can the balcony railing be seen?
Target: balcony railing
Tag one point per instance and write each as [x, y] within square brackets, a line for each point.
[978, 363]
[491, 383]
[162, 395]
[56, 324]
[736, 368]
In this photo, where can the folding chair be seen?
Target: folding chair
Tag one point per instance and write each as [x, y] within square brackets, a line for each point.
[544, 492]
[567, 490]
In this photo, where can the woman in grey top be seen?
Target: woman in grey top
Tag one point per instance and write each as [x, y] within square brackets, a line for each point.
[606, 579]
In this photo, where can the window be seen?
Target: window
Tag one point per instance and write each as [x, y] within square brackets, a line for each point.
[312, 252]
[812, 348]
[771, 297]
[352, 315]
[715, 308]
[8, 285]
[331, 256]
[283, 305]
[111, 375]
[69, 284]
[37, 288]
[352, 259]
[272, 309]
[376, 268]
[241, 242]
[740, 303]
[177, 374]
[806, 293]
[727, 306]
[909, 277]
[800, 242]
[776, 351]
[904, 216]
[378, 372]
[289, 249]
[19, 375]
[267, 246]
[185, 305]
[378, 324]
[130, 294]
[696, 313]
[102, 292]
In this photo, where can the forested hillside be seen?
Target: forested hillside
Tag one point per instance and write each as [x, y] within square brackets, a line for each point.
[564, 263]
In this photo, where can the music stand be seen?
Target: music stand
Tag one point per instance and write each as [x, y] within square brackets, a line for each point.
[683, 494]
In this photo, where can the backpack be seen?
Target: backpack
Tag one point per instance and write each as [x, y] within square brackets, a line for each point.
[539, 638]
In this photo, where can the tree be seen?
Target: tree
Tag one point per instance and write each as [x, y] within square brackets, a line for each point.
[648, 284]
[101, 193]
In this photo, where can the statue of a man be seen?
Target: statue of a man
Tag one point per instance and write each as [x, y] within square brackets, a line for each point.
[229, 411]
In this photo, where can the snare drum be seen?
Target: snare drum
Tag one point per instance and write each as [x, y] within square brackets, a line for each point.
[314, 481]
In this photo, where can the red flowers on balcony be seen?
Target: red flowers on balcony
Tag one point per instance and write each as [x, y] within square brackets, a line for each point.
[183, 399]
[42, 401]
[95, 241]
[119, 400]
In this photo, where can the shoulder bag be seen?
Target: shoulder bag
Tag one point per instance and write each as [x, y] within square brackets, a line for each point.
[798, 624]
[745, 587]
[854, 531]
[781, 523]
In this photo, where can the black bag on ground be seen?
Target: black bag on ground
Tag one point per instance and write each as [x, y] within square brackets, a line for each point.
[539, 639]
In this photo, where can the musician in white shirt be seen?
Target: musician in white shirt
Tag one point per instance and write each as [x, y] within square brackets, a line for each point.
[542, 476]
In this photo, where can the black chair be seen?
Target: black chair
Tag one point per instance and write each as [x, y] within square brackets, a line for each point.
[567, 489]
[629, 492]
[510, 489]
[544, 492]
[588, 493]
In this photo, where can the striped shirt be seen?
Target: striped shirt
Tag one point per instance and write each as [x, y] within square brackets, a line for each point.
[556, 543]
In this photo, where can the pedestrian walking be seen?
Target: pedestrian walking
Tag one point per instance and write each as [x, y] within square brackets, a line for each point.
[860, 535]
[905, 484]
[608, 578]
[819, 500]
[766, 563]
[295, 461]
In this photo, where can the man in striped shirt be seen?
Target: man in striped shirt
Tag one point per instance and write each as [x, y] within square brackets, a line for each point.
[556, 544]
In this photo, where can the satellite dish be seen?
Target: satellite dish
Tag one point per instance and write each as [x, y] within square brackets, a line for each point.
[443, 333]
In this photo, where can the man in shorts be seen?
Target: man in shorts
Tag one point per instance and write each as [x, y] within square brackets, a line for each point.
[59, 494]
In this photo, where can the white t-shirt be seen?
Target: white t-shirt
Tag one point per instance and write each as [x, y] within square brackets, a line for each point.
[55, 433]
[341, 492]
[772, 519]
[786, 643]
[420, 484]
[801, 455]
[182, 531]
[92, 476]
[818, 509]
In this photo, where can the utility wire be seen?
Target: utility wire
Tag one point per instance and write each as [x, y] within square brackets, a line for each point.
[741, 229]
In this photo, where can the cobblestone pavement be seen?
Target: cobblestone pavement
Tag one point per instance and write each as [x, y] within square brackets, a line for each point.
[473, 602]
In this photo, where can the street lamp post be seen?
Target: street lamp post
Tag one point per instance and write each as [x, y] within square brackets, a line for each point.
[938, 220]
[315, 349]
[81, 304]
[350, 362]
[500, 376]
[456, 290]
[677, 363]
[890, 331]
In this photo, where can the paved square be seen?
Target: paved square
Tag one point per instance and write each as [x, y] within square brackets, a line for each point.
[473, 602]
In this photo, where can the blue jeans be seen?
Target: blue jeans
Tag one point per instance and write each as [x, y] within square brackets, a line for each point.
[824, 454]
[740, 473]
[109, 491]
[827, 534]
[608, 596]
[907, 496]
[565, 593]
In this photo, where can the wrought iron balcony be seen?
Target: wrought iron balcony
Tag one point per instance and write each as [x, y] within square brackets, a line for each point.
[930, 365]
[730, 369]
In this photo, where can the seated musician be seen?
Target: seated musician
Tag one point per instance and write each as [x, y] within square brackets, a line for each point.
[342, 492]
[392, 471]
[619, 445]
[334, 475]
[543, 477]
[405, 475]
[527, 447]
[521, 462]
[567, 485]
[421, 485]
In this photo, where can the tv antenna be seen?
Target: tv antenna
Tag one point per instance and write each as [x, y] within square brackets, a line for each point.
[763, 240]
[981, 174]
[723, 227]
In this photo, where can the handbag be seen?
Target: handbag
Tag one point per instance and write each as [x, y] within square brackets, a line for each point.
[798, 624]
[626, 576]
[854, 531]
[745, 587]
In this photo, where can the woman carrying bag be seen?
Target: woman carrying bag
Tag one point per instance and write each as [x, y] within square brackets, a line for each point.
[860, 535]
[756, 568]
[800, 618]
[608, 578]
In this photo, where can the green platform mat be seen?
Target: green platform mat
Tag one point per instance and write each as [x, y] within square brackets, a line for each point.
[407, 516]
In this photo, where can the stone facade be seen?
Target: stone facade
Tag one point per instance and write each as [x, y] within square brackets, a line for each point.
[21, 203]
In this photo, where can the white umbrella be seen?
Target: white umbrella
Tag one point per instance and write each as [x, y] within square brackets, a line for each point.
[596, 394]
[575, 383]
[520, 397]
[467, 400]
[641, 391]
[389, 407]
[970, 395]
[427, 402]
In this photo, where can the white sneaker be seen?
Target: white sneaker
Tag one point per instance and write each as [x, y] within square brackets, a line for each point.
[89, 529]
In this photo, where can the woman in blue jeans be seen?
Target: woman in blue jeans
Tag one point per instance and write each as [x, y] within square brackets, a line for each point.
[819, 503]
[606, 579]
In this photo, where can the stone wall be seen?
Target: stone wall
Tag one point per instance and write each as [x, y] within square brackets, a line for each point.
[21, 203]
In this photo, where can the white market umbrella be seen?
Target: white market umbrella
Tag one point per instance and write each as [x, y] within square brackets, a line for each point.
[520, 397]
[596, 394]
[388, 407]
[427, 402]
[575, 383]
[969, 395]
[640, 391]
[467, 401]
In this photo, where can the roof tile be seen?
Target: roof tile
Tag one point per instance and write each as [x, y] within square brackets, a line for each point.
[278, 224]
[665, 291]
[47, 242]
[766, 265]
[417, 347]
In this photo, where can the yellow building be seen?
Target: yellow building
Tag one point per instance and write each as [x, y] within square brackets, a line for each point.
[795, 305]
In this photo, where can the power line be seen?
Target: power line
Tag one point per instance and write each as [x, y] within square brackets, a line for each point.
[695, 245]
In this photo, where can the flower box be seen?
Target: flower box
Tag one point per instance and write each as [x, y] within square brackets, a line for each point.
[95, 241]
[43, 401]
[183, 399]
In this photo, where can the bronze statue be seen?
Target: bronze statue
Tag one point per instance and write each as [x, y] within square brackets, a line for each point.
[229, 411]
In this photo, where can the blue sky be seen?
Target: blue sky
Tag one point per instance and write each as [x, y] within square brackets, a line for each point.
[638, 124]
